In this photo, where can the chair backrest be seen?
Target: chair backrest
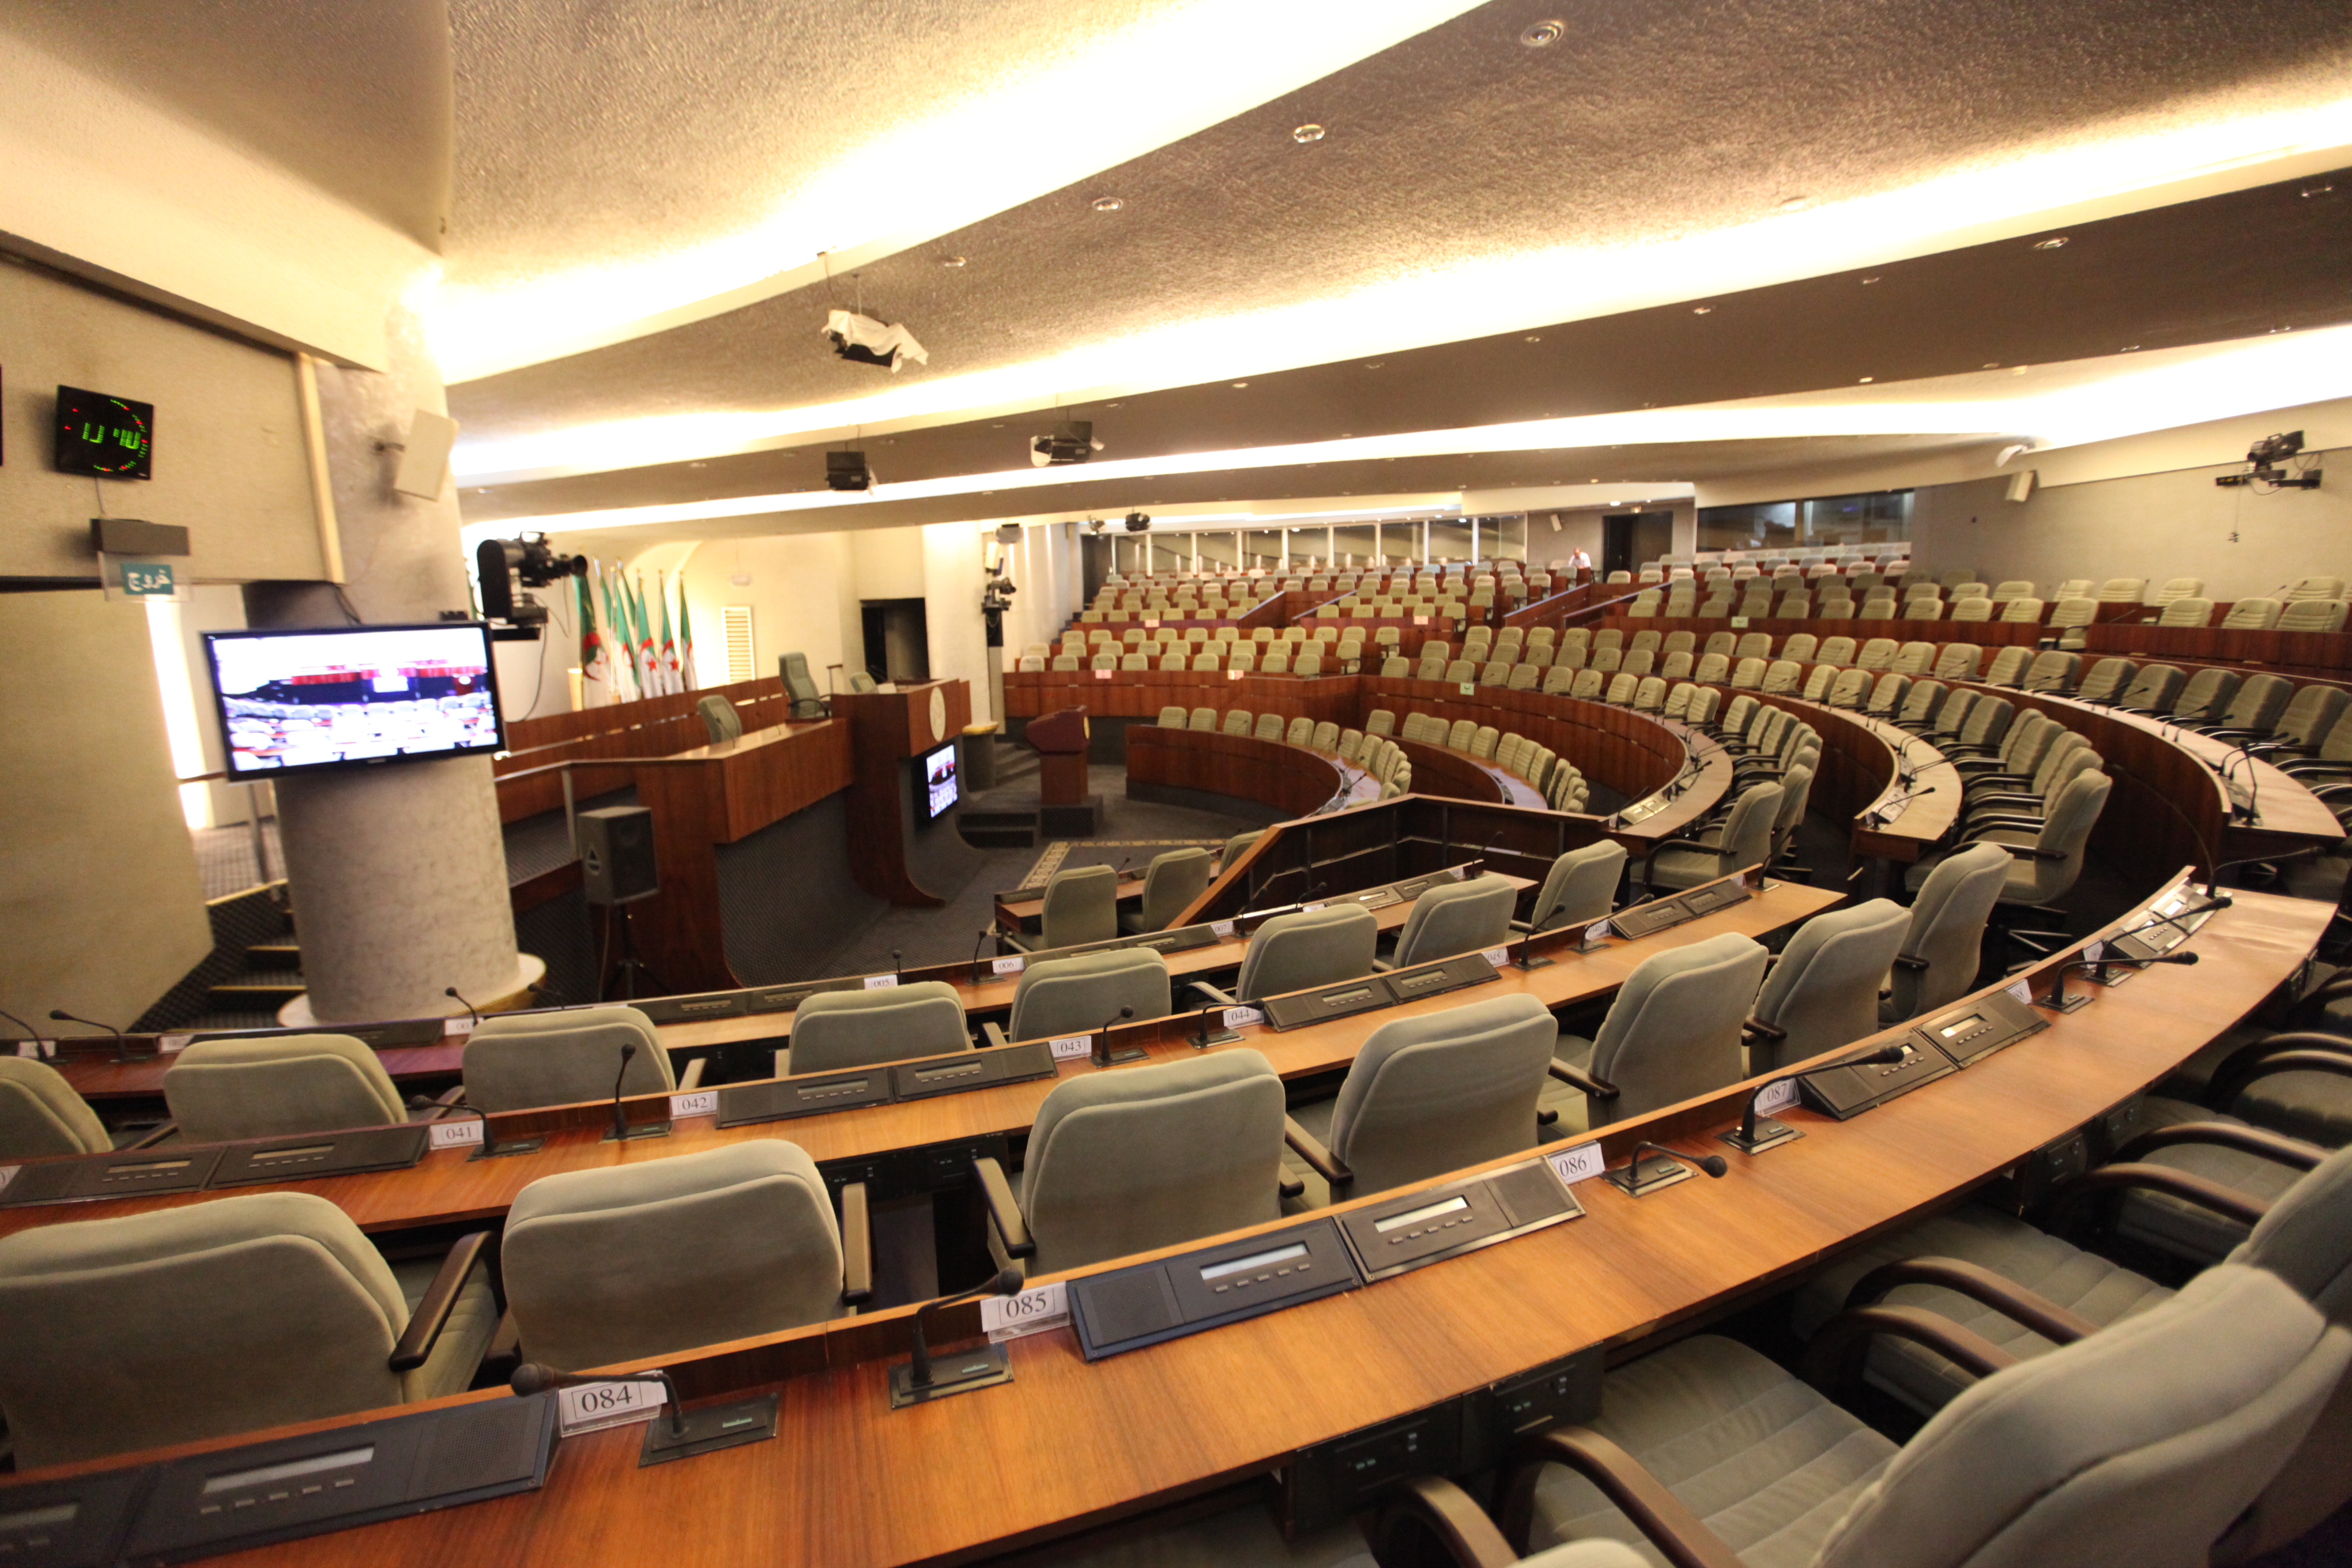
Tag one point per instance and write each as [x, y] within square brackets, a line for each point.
[2067, 828]
[2122, 590]
[2314, 588]
[1172, 717]
[1913, 658]
[2258, 703]
[1315, 947]
[1082, 903]
[1434, 1093]
[833, 1030]
[2311, 715]
[2256, 614]
[1781, 675]
[41, 1113]
[2074, 612]
[1380, 722]
[1580, 886]
[1268, 727]
[220, 1089]
[1958, 661]
[1972, 609]
[1822, 991]
[1062, 996]
[1469, 916]
[661, 1256]
[1673, 1029]
[1747, 832]
[2207, 696]
[1148, 1156]
[517, 1060]
[1171, 882]
[807, 701]
[1947, 930]
[2141, 1443]
[2155, 686]
[720, 719]
[1203, 719]
[2311, 615]
[2107, 681]
[2187, 611]
[2008, 666]
[191, 1322]
[1987, 722]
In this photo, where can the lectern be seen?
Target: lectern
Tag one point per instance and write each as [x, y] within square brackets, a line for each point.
[1065, 808]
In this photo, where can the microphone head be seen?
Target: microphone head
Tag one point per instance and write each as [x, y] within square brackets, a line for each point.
[628, 1050]
[451, 991]
[1008, 1282]
[1129, 1012]
[531, 1378]
[2177, 958]
[1886, 1054]
[62, 1016]
[1713, 1164]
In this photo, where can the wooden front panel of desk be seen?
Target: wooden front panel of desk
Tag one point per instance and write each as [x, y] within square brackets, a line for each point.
[850, 1483]
[1287, 778]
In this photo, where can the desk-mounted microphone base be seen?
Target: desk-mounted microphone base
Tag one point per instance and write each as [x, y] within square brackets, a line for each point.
[710, 1430]
[1214, 1037]
[504, 1147]
[1530, 961]
[1770, 1134]
[2072, 1003]
[1125, 1053]
[1648, 1174]
[982, 1366]
[638, 1129]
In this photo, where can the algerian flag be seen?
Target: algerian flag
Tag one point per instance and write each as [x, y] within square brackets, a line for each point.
[646, 662]
[618, 664]
[594, 675]
[685, 637]
[668, 643]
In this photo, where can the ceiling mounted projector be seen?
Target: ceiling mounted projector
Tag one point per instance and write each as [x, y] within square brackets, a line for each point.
[1073, 441]
[847, 471]
[1137, 523]
[865, 341]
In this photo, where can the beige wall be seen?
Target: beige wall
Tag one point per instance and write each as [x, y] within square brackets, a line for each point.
[801, 593]
[101, 906]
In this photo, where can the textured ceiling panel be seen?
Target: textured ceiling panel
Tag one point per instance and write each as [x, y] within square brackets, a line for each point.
[2228, 266]
[1647, 122]
[353, 98]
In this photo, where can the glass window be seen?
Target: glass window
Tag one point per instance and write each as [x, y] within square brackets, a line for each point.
[1219, 552]
[1351, 547]
[1449, 541]
[1262, 550]
[1171, 552]
[1873, 518]
[1503, 538]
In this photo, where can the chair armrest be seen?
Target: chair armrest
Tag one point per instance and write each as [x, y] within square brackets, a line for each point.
[152, 1136]
[1003, 1213]
[1223, 998]
[449, 1100]
[1319, 1159]
[2292, 1152]
[857, 1246]
[432, 1314]
[1910, 962]
[1578, 1079]
[1020, 942]
[1757, 1028]
[1427, 1507]
[1834, 1358]
[2072, 1194]
[2300, 1050]
[1978, 1284]
[1383, 966]
[2020, 851]
[990, 1035]
[691, 1078]
[1664, 1519]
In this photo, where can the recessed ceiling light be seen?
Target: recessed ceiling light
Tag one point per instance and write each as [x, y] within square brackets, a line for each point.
[2020, 370]
[1534, 339]
[1543, 35]
[996, 426]
[952, 260]
[1702, 309]
[1308, 132]
[1114, 406]
[1795, 204]
[1241, 383]
[2057, 242]
[1992, 365]
[1375, 364]
[1865, 380]
[2277, 330]
[1107, 204]
[2131, 348]
[1870, 281]
[2310, 191]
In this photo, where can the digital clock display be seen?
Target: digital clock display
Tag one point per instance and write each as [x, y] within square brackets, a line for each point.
[112, 438]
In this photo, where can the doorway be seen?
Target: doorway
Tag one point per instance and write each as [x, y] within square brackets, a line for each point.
[898, 639]
[1630, 539]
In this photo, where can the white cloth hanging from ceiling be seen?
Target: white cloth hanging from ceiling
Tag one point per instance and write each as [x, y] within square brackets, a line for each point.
[869, 342]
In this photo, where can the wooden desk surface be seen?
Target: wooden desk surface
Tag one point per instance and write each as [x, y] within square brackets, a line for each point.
[1898, 832]
[1020, 907]
[449, 1186]
[850, 1483]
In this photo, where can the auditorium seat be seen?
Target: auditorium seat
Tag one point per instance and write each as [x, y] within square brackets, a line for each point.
[801, 688]
[1957, 661]
[2067, 619]
[2306, 732]
[1469, 916]
[1080, 905]
[2311, 615]
[1075, 995]
[1238, 721]
[2155, 690]
[720, 721]
[2122, 590]
[1293, 952]
[223, 1089]
[2251, 615]
[2185, 612]
[2046, 858]
[1943, 945]
[2108, 681]
[222, 1316]
[2252, 710]
[1203, 719]
[1673, 1031]
[40, 1113]
[1744, 839]
[1821, 991]
[2055, 670]
[1914, 659]
[514, 1061]
[666, 1255]
[2008, 667]
[2304, 588]
[1972, 609]
[1126, 1162]
[834, 1030]
[1580, 886]
[1172, 717]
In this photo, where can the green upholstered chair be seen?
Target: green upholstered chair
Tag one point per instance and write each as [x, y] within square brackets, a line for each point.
[1673, 1029]
[515, 1060]
[222, 1316]
[1580, 886]
[1237, 847]
[1081, 905]
[663, 1256]
[1140, 1158]
[1431, 1094]
[2154, 689]
[1822, 991]
[40, 1113]
[837, 1029]
[1313, 947]
[860, 682]
[1944, 947]
[1170, 883]
[1744, 839]
[720, 719]
[2138, 1446]
[800, 687]
[219, 1089]
[1063, 996]
[1469, 916]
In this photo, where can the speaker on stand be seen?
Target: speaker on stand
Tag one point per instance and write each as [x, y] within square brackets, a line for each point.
[617, 869]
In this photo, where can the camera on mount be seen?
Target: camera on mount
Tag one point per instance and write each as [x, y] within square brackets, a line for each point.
[2263, 461]
[528, 559]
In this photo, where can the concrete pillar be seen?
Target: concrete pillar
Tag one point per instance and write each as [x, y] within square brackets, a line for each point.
[398, 874]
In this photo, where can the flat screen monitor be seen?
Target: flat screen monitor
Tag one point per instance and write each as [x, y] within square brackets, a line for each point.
[941, 786]
[344, 697]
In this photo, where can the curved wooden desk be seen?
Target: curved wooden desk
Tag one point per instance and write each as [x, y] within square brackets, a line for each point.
[1293, 779]
[1865, 764]
[1068, 1444]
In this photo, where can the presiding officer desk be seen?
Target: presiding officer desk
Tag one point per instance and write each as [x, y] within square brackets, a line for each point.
[1068, 1444]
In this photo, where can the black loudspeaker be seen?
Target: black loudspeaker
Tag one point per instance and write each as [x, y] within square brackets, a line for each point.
[616, 855]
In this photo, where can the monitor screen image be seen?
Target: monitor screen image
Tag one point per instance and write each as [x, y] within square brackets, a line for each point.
[941, 788]
[354, 696]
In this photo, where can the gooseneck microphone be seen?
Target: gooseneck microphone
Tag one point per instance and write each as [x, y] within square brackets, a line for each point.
[1629, 1177]
[531, 1378]
[122, 1047]
[984, 934]
[620, 1120]
[30, 1032]
[897, 970]
[1749, 1140]
[1006, 1282]
[2058, 998]
[1103, 1058]
[473, 1013]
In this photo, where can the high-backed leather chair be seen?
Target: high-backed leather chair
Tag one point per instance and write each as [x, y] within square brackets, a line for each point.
[1431, 1094]
[1822, 991]
[1673, 1029]
[833, 1030]
[720, 719]
[1062, 996]
[1170, 883]
[1142, 1158]
[217, 1318]
[1944, 946]
[220, 1089]
[1469, 916]
[1313, 947]
[662, 1256]
[517, 1060]
[2045, 861]
[1580, 886]
[1081, 905]
[41, 1113]
[801, 688]
[1744, 839]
